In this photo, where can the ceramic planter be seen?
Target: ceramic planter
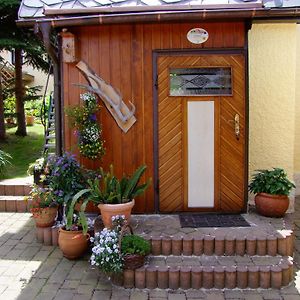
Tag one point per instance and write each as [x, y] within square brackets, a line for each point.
[271, 205]
[44, 217]
[73, 244]
[109, 210]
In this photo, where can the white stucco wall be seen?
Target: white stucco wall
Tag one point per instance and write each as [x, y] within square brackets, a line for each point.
[272, 91]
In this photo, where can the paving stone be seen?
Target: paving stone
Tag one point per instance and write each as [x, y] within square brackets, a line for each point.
[70, 284]
[157, 293]
[64, 295]
[180, 296]
[81, 297]
[139, 295]
[233, 294]
[46, 296]
[271, 295]
[195, 294]
[85, 289]
[97, 295]
[291, 297]
[49, 287]
[215, 296]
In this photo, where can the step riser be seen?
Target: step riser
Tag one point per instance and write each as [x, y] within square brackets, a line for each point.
[208, 277]
[19, 206]
[14, 190]
[209, 245]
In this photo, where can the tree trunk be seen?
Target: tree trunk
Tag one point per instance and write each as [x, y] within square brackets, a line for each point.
[2, 123]
[19, 91]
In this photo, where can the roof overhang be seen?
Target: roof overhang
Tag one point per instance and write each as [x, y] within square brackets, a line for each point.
[168, 16]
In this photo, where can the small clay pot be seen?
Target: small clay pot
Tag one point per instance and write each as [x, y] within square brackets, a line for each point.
[73, 244]
[271, 205]
[44, 217]
[109, 210]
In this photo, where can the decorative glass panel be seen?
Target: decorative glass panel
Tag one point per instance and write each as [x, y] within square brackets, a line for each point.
[200, 81]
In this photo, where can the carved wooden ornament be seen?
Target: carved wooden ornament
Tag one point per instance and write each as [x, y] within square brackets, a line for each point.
[112, 99]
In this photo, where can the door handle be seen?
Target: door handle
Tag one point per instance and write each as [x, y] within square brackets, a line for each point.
[236, 122]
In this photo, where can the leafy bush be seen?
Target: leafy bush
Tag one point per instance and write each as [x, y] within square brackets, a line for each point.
[110, 190]
[134, 244]
[4, 161]
[274, 182]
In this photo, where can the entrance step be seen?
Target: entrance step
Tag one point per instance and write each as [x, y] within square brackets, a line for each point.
[174, 272]
[280, 242]
[13, 204]
[14, 189]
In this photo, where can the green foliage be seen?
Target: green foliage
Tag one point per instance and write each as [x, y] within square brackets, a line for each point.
[4, 161]
[12, 36]
[274, 182]
[134, 244]
[41, 197]
[79, 218]
[23, 150]
[111, 190]
[89, 132]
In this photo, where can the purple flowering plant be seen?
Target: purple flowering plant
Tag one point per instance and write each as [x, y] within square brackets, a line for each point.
[66, 177]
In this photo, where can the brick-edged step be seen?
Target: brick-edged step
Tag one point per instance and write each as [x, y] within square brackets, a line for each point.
[280, 242]
[47, 235]
[13, 204]
[14, 189]
[161, 272]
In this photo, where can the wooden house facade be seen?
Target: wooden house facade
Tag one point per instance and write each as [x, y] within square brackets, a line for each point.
[190, 99]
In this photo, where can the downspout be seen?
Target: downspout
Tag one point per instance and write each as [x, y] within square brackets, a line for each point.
[45, 29]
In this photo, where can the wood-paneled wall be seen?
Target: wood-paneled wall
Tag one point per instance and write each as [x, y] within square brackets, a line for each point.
[122, 55]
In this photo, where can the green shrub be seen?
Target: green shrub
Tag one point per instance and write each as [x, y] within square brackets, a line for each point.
[274, 182]
[4, 161]
[134, 244]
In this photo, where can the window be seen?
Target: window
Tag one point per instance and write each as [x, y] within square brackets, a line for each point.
[200, 81]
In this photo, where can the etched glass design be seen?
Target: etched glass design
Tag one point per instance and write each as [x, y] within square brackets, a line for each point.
[200, 81]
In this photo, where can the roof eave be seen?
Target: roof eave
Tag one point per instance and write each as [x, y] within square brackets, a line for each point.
[167, 16]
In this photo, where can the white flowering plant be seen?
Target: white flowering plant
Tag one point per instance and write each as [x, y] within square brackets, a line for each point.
[88, 129]
[106, 252]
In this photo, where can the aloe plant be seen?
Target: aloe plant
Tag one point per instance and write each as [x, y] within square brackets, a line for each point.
[110, 190]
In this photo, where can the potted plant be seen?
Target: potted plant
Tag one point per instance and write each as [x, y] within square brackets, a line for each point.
[272, 188]
[113, 251]
[73, 237]
[43, 206]
[114, 196]
[37, 169]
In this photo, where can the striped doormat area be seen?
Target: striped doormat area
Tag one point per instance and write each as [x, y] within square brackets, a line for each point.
[212, 220]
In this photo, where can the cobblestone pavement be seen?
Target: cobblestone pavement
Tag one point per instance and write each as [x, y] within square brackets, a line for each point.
[29, 270]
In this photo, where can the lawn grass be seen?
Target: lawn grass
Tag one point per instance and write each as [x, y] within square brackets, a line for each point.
[24, 150]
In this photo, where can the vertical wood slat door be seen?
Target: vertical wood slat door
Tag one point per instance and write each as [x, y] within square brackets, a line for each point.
[229, 150]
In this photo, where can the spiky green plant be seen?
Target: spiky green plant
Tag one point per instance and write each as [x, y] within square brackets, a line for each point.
[4, 161]
[110, 190]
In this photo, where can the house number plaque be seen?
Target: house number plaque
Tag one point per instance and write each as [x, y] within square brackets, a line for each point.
[197, 35]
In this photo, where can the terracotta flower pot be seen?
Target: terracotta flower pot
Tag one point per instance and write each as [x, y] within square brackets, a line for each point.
[109, 210]
[271, 205]
[73, 244]
[44, 217]
[29, 120]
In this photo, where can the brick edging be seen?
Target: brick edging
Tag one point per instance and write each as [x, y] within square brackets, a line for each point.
[282, 244]
[207, 277]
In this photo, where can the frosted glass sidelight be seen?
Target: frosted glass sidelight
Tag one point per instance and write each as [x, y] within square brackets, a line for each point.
[200, 127]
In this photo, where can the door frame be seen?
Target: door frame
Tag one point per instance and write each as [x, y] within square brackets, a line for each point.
[189, 52]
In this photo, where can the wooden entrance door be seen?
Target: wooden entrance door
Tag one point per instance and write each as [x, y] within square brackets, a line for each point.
[201, 132]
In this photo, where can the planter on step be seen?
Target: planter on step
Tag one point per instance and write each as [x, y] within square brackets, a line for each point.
[271, 205]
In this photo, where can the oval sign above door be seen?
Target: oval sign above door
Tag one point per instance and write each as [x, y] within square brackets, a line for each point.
[197, 35]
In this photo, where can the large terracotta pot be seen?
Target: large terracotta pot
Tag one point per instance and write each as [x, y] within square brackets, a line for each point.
[73, 244]
[109, 210]
[44, 217]
[271, 205]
